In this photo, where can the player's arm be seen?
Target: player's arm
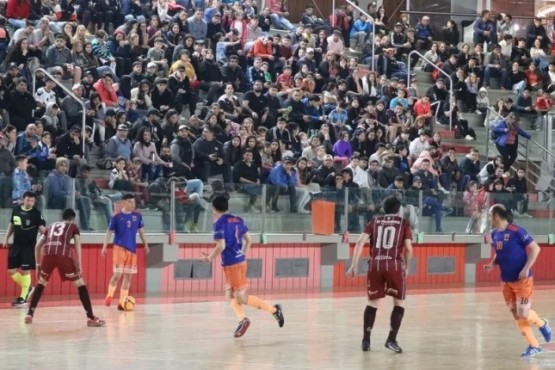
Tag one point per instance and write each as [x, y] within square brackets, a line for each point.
[362, 240]
[488, 267]
[218, 249]
[38, 249]
[407, 254]
[533, 250]
[107, 238]
[9, 233]
[143, 239]
[42, 229]
[247, 242]
[77, 244]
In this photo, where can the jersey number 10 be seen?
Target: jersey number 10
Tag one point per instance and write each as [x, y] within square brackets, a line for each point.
[386, 237]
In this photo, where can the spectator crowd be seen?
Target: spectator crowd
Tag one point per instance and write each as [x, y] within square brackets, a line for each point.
[182, 91]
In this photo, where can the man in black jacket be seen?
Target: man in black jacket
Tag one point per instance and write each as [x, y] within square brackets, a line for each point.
[209, 158]
[21, 105]
[246, 175]
[182, 153]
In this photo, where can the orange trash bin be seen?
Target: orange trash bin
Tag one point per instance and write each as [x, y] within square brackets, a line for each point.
[323, 217]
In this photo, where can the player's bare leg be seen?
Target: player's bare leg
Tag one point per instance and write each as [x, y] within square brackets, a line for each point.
[369, 319]
[396, 318]
[112, 288]
[124, 290]
[23, 279]
[237, 308]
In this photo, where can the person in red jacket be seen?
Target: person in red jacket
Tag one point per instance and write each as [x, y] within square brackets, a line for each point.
[17, 11]
[106, 89]
[262, 48]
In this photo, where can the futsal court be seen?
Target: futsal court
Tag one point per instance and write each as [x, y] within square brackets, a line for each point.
[458, 328]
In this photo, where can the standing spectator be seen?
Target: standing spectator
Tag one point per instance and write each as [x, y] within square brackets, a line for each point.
[209, 158]
[246, 176]
[21, 181]
[507, 132]
[519, 187]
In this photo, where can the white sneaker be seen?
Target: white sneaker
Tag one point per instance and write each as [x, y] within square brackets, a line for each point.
[469, 138]
[353, 50]
[515, 213]
[526, 215]
[477, 111]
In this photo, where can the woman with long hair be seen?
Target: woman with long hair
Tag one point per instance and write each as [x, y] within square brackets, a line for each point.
[20, 53]
[145, 150]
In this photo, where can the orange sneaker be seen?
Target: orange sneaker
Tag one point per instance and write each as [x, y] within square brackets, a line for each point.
[107, 301]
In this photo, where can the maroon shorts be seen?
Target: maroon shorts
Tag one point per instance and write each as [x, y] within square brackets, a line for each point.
[384, 282]
[66, 266]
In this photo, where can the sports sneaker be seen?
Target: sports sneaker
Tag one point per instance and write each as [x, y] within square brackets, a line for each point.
[107, 301]
[365, 345]
[242, 328]
[95, 322]
[531, 351]
[29, 293]
[29, 319]
[546, 331]
[393, 346]
[19, 303]
[120, 307]
[278, 315]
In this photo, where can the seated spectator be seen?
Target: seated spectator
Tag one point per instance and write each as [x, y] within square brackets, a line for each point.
[210, 159]
[246, 176]
[475, 207]
[282, 180]
[21, 180]
[518, 185]
[145, 150]
[278, 15]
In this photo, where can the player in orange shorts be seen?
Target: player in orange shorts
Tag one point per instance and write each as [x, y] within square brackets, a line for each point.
[230, 232]
[515, 254]
[124, 225]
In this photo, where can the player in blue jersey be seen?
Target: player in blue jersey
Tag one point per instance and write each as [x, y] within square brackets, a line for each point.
[515, 254]
[232, 242]
[124, 225]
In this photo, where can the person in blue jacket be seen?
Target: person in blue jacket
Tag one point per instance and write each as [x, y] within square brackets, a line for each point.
[283, 179]
[506, 134]
[360, 31]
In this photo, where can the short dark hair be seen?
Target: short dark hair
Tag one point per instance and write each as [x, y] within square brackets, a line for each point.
[502, 212]
[220, 204]
[68, 214]
[29, 194]
[128, 196]
[391, 205]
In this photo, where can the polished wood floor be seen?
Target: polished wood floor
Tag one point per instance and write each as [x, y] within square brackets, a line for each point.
[469, 329]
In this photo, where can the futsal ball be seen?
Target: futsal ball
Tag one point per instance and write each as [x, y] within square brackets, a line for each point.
[129, 303]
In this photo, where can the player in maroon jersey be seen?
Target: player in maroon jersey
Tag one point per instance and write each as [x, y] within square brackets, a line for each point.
[390, 240]
[60, 248]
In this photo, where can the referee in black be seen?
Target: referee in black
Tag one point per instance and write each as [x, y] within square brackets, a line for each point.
[25, 223]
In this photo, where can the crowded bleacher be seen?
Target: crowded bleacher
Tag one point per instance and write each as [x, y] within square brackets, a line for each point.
[224, 97]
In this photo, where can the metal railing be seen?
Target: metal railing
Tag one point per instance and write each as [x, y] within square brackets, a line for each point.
[69, 93]
[525, 150]
[373, 30]
[440, 71]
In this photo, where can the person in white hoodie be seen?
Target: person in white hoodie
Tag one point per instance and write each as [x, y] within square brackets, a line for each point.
[360, 177]
[419, 144]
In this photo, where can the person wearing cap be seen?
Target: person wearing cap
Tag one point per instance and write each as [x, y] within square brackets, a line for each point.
[118, 145]
[59, 55]
[360, 31]
[163, 99]
[182, 153]
[73, 110]
[282, 180]
[496, 66]
[69, 145]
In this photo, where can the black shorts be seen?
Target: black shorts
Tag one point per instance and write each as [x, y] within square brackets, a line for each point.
[21, 257]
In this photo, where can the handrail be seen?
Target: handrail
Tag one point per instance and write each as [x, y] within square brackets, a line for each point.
[440, 71]
[373, 30]
[416, 12]
[69, 93]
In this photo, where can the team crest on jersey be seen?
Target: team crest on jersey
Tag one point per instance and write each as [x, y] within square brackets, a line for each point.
[506, 237]
[27, 222]
[134, 218]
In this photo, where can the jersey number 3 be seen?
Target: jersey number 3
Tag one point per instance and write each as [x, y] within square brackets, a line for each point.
[386, 237]
[57, 230]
